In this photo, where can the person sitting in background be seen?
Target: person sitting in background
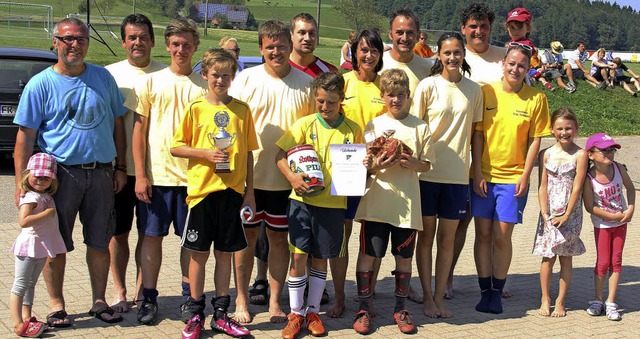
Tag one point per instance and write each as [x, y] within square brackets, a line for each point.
[422, 47]
[345, 52]
[575, 66]
[552, 67]
[622, 80]
[601, 69]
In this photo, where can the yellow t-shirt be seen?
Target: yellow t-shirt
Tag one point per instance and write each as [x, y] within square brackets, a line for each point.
[393, 194]
[275, 104]
[417, 69]
[197, 130]
[314, 130]
[162, 98]
[127, 76]
[362, 101]
[508, 121]
[486, 67]
[450, 109]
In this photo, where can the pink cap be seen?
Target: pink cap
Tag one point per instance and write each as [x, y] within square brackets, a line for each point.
[601, 140]
[519, 14]
[42, 165]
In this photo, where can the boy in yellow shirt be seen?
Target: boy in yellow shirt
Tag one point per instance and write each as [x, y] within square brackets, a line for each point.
[219, 185]
[315, 221]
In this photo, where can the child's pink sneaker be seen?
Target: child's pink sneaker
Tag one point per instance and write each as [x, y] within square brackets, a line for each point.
[229, 326]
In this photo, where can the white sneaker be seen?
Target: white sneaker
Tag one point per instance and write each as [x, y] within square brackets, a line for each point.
[595, 308]
[612, 311]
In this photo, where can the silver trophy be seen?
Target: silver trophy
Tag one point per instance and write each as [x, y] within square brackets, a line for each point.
[222, 140]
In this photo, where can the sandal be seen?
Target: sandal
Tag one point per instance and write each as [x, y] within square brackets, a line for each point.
[31, 328]
[99, 314]
[260, 288]
[58, 319]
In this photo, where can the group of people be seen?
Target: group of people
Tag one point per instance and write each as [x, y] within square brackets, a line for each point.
[209, 152]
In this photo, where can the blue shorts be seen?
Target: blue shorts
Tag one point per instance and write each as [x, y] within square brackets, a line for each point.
[314, 230]
[168, 205]
[448, 201]
[500, 204]
[352, 207]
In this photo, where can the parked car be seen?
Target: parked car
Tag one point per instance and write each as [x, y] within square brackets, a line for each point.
[17, 67]
[248, 61]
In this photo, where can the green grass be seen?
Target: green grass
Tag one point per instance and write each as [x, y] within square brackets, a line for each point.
[614, 111]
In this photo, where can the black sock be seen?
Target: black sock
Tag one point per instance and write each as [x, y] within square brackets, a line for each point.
[150, 294]
[498, 284]
[186, 290]
[220, 306]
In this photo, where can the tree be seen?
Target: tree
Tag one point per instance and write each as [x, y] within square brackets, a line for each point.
[361, 13]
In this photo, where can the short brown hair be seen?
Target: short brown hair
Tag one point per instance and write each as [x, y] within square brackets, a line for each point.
[179, 26]
[393, 80]
[331, 82]
[273, 29]
[218, 57]
[305, 17]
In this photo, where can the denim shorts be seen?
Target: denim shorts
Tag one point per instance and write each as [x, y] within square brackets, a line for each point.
[500, 204]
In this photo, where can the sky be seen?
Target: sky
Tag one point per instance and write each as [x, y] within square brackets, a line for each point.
[633, 3]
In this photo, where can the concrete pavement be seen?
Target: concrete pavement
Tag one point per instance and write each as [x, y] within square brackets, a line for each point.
[520, 318]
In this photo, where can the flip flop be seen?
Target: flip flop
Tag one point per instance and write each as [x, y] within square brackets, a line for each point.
[54, 318]
[106, 310]
[263, 291]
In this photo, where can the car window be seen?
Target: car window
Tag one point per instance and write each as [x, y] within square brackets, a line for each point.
[15, 73]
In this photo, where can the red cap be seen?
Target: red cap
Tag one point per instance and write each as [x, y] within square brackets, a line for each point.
[519, 14]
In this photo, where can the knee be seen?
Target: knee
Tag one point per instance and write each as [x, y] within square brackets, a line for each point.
[278, 240]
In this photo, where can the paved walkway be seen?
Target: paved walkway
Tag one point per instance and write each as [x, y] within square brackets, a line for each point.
[520, 318]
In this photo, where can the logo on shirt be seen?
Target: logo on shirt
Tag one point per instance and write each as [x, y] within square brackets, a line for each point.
[491, 108]
[520, 113]
[351, 97]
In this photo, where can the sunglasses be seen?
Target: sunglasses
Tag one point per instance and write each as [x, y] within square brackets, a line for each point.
[611, 150]
[523, 46]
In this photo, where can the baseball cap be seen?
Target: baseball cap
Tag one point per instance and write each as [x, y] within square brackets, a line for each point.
[42, 165]
[519, 14]
[556, 47]
[601, 140]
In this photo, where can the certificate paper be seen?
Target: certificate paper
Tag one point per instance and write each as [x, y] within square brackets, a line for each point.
[348, 174]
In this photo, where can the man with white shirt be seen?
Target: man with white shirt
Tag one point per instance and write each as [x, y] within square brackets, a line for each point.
[137, 36]
[575, 65]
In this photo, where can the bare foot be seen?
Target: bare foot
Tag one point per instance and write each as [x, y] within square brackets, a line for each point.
[414, 296]
[506, 293]
[430, 309]
[120, 306]
[545, 308]
[442, 309]
[276, 314]
[336, 309]
[448, 292]
[242, 314]
[559, 311]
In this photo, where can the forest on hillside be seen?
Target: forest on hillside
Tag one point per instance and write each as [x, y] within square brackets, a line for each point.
[597, 23]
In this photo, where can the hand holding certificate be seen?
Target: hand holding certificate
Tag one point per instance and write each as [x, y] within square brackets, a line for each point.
[348, 174]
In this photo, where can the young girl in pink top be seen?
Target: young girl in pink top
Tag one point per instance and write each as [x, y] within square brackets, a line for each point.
[40, 238]
[610, 214]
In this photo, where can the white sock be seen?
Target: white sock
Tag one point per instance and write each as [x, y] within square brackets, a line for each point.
[296, 294]
[317, 282]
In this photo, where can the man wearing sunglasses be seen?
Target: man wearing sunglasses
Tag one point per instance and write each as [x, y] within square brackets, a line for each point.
[75, 110]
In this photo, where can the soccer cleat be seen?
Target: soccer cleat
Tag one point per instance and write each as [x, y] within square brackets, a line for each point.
[293, 326]
[314, 324]
[147, 312]
[193, 328]
[362, 323]
[405, 324]
[229, 326]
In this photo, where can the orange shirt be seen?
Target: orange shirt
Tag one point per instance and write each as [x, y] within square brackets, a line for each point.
[422, 50]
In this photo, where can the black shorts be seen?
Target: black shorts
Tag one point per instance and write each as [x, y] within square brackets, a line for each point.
[621, 79]
[577, 73]
[271, 207]
[124, 205]
[215, 219]
[314, 230]
[374, 239]
[598, 75]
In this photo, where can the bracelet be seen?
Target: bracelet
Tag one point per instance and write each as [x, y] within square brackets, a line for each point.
[121, 168]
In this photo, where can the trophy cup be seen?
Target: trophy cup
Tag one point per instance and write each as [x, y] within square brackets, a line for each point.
[222, 140]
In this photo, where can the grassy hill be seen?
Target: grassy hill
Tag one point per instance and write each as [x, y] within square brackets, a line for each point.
[613, 111]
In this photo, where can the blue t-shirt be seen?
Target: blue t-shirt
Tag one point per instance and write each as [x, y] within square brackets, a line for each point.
[73, 115]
